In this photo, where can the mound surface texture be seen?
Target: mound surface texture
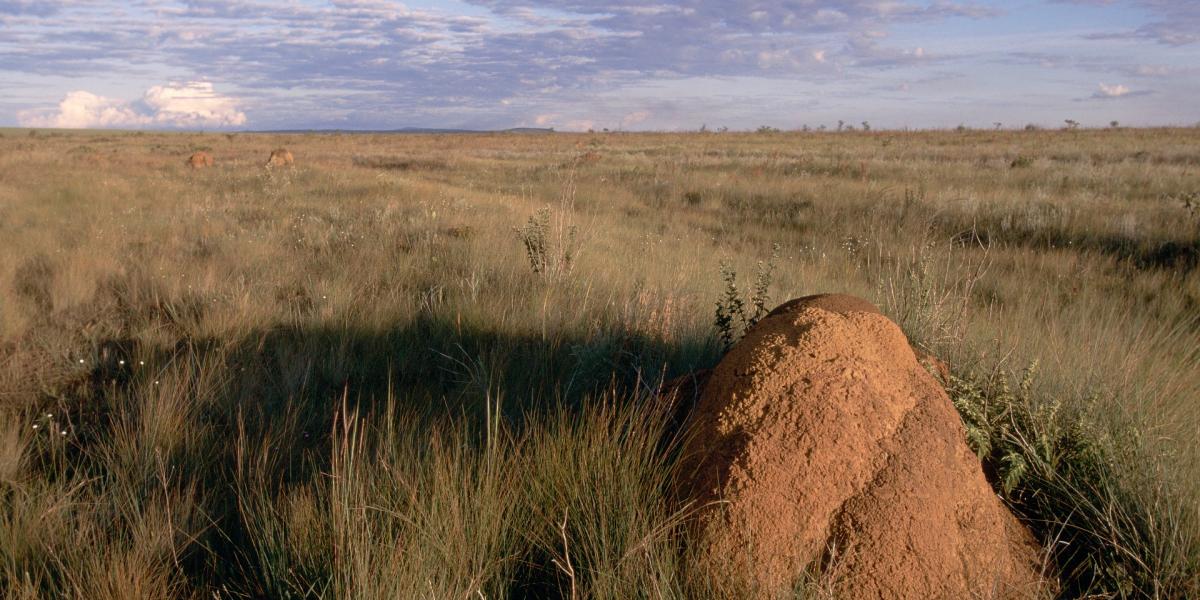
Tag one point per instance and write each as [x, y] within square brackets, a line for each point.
[830, 445]
[280, 157]
[200, 160]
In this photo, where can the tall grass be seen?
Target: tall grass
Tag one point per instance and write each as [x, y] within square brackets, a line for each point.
[286, 384]
[578, 503]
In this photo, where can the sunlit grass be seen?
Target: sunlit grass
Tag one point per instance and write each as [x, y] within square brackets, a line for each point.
[345, 380]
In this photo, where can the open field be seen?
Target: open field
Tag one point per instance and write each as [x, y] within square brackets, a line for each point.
[425, 366]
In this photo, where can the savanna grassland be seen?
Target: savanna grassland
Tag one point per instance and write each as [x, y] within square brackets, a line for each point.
[425, 366]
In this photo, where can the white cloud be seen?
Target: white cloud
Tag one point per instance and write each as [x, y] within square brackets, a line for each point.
[192, 104]
[1111, 91]
[386, 65]
[80, 109]
[375, 64]
[580, 125]
[635, 118]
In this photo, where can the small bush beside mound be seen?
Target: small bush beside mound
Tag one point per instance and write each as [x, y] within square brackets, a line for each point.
[1115, 527]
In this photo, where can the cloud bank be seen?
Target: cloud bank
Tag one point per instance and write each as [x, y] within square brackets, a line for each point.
[176, 105]
[1111, 91]
[1173, 22]
[580, 63]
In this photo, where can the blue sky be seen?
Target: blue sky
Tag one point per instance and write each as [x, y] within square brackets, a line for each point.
[579, 64]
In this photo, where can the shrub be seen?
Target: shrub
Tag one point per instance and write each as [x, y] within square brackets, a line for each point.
[731, 319]
[550, 247]
[1021, 162]
[1191, 203]
[1110, 533]
[534, 236]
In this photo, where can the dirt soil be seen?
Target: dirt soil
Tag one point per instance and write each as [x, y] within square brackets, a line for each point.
[281, 157]
[200, 160]
[831, 447]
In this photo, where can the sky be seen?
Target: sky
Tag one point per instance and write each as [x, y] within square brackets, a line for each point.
[596, 64]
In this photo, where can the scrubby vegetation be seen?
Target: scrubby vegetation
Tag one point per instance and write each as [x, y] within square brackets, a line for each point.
[424, 366]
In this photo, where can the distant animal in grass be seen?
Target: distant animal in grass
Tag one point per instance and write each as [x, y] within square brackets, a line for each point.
[280, 157]
[200, 160]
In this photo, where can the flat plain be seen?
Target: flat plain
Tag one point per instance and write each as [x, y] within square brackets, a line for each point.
[426, 365]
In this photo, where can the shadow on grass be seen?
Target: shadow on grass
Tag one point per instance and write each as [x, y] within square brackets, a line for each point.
[1182, 256]
[284, 388]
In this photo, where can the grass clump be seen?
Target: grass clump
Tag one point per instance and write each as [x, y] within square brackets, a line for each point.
[1021, 162]
[576, 504]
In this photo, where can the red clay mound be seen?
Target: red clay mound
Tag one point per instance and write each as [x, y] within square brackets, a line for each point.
[200, 160]
[281, 157]
[829, 443]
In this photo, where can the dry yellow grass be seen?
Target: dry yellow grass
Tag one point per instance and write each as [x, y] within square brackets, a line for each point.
[171, 321]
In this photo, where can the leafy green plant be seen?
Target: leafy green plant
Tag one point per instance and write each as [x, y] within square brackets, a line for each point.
[534, 236]
[550, 248]
[1065, 472]
[731, 310]
[732, 319]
